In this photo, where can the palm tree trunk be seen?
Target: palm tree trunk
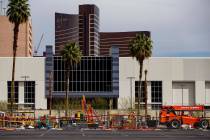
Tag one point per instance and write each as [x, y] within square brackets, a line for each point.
[67, 89]
[145, 91]
[139, 93]
[15, 39]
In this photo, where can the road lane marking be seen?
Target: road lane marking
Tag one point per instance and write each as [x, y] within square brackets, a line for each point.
[45, 133]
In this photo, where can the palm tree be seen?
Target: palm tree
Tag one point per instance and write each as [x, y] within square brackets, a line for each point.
[18, 13]
[140, 48]
[71, 55]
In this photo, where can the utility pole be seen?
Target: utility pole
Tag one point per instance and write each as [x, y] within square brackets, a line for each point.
[131, 83]
[50, 92]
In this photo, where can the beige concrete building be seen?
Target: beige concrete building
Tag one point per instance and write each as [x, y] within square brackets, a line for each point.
[29, 81]
[6, 38]
[171, 81]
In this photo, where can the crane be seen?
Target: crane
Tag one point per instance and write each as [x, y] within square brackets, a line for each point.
[37, 48]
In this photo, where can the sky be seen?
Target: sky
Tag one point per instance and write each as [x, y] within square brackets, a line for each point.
[178, 27]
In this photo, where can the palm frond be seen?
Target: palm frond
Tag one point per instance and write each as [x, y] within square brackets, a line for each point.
[141, 47]
[71, 53]
[18, 11]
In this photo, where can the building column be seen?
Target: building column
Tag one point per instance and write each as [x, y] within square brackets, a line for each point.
[149, 95]
[114, 52]
[4, 91]
[40, 98]
[199, 92]
[21, 95]
[167, 93]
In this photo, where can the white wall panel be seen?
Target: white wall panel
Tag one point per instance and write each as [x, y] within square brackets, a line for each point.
[207, 94]
[183, 93]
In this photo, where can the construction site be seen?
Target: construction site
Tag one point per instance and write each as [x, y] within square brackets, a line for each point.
[172, 117]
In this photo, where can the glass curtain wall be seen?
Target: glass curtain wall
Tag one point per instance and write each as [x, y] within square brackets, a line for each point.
[92, 74]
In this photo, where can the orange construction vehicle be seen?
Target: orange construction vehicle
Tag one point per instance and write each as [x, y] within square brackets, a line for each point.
[175, 116]
[90, 114]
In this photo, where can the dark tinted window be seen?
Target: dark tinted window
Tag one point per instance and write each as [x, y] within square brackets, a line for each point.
[91, 74]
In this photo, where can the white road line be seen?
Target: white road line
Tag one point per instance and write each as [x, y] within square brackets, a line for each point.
[45, 133]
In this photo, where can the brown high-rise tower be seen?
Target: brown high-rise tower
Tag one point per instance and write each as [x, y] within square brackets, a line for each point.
[89, 29]
[119, 39]
[66, 30]
[82, 29]
[6, 38]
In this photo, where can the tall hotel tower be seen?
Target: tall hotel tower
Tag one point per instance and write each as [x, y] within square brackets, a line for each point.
[66, 30]
[89, 30]
[82, 29]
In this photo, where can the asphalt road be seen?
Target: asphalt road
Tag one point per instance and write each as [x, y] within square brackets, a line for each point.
[105, 135]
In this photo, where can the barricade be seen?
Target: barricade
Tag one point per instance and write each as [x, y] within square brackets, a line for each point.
[109, 121]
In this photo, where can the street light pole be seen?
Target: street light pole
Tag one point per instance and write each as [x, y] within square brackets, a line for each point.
[131, 83]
